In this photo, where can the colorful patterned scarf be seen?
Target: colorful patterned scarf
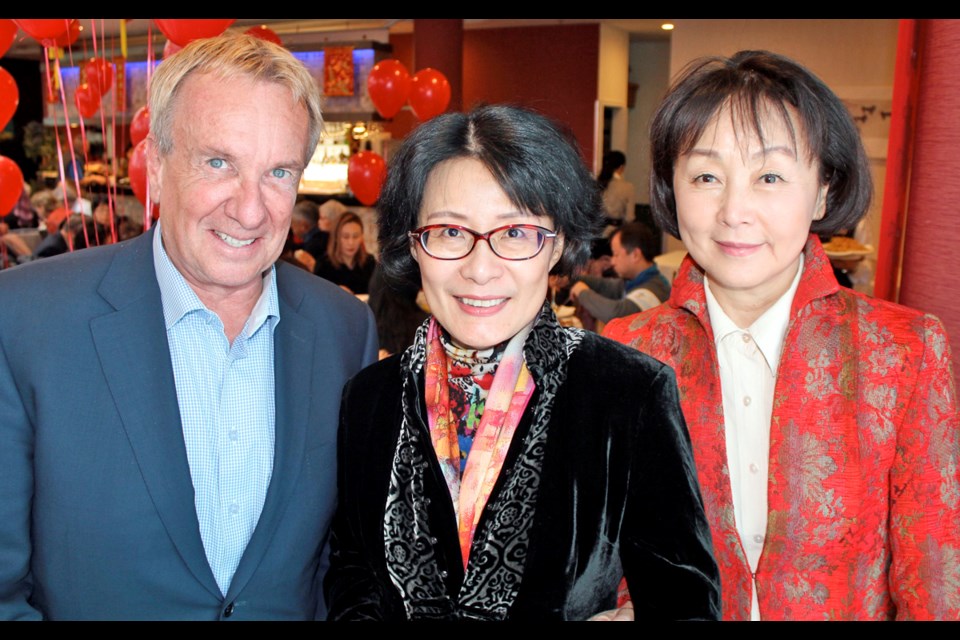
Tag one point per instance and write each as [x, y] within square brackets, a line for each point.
[470, 484]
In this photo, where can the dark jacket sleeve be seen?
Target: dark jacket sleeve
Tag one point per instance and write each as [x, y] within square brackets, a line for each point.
[666, 545]
[605, 300]
[354, 588]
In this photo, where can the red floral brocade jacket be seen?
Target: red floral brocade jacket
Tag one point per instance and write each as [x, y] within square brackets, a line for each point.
[864, 485]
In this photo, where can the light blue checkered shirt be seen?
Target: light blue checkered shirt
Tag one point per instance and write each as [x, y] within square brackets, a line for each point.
[226, 398]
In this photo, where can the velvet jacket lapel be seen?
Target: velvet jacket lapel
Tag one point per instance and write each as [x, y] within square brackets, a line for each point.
[132, 345]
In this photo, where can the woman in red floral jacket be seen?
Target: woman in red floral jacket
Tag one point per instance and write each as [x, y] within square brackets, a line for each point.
[824, 422]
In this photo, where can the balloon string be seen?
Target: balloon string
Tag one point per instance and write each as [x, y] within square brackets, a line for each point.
[148, 207]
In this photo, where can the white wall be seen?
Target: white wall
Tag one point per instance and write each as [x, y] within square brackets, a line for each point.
[650, 70]
[612, 77]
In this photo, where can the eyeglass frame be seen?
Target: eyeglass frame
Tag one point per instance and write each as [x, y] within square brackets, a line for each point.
[417, 236]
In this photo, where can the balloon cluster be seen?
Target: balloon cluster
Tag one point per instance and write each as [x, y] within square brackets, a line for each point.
[391, 86]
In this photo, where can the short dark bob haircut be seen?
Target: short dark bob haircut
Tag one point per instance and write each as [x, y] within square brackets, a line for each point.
[535, 161]
[755, 84]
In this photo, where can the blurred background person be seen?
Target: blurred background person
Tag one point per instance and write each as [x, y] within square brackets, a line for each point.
[619, 195]
[310, 242]
[639, 285]
[346, 261]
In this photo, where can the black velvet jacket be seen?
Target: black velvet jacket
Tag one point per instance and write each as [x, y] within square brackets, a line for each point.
[617, 495]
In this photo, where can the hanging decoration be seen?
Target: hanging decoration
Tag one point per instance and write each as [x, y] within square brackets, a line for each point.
[8, 32]
[389, 86]
[184, 31]
[11, 184]
[68, 37]
[366, 172]
[140, 125]
[45, 31]
[9, 98]
[429, 93]
[338, 71]
[98, 73]
[264, 33]
[87, 100]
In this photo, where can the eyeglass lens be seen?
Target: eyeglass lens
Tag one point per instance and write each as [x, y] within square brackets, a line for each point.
[511, 243]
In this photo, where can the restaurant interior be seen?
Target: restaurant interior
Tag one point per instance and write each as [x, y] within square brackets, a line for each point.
[600, 77]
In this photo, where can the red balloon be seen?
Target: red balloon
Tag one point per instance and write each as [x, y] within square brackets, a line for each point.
[87, 100]
[264, 33]
[140, 125]
[429, 93]
[184, 31]
[137, 171]
[170, 48]
[45, 30]
[69, 36]
[9, 97]
[389, 86]
[8, 31]
[99, 74]
[11, 184]
[365, 174]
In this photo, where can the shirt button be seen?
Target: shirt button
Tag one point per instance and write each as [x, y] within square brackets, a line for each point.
[228, 611]
[234, 435]
[746, 401]
[745, 337]
[234, 509]
[754, 467]
[433, 539]
[758, 538]
[443, 573]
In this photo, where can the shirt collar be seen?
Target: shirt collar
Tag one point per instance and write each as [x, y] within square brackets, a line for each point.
[768, 331]
[179, 299]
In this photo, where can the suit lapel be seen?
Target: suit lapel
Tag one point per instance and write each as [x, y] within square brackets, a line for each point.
[293, 342]
[135, 357]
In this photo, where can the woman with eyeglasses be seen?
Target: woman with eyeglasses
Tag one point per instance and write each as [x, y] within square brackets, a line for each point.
[504, 467]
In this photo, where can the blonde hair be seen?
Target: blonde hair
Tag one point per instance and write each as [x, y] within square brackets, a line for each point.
[229, 56]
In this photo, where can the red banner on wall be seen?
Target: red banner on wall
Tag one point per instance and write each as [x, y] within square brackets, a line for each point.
[338, 71]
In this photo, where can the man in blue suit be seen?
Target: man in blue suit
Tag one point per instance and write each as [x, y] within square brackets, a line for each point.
[168, 405]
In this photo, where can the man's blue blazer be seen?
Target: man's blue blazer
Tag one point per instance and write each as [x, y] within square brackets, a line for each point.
[97, 517]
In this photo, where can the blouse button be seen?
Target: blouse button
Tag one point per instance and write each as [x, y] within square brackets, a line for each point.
[443, 573]
[754, 467]
[758, 538]
[433, 539]
[746, 401]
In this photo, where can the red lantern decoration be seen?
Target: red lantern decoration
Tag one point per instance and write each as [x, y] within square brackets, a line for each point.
[365, 174]
[69, 36]
[185, 31]
[137, 172]
[46, 30]
[99, 74]
[9, 97]
[140, 125]
[87, 100]
[429, 93]
[264, 33]
[8, 31]
[388, 85]
[11, 184]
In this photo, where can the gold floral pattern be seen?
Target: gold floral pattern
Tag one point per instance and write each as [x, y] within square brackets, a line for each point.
[864, 481]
